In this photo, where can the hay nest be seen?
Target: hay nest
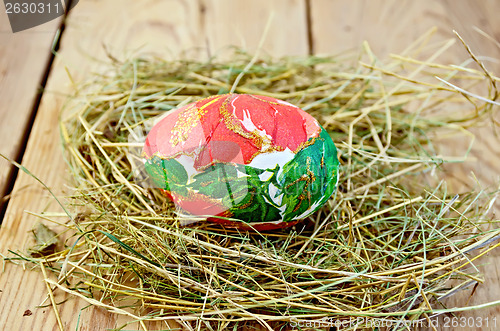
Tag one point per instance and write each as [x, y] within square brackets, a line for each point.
[390, 245]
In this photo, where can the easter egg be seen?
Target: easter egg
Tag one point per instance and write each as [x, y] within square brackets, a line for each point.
[247, 161]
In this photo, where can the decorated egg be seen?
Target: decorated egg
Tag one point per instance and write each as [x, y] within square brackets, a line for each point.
[246, 161]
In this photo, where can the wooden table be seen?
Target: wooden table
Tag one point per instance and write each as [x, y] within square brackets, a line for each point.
[29, 118]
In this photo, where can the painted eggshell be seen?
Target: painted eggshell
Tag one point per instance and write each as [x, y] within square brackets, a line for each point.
[253, 158]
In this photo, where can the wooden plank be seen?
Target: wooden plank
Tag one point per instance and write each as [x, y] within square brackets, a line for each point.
[162, 27]
[390, 26]
[242, 24]
[24, 57]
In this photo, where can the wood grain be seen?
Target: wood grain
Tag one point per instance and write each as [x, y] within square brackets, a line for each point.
[24, 58]
[242, 24]
[390, 26]
[164, 28]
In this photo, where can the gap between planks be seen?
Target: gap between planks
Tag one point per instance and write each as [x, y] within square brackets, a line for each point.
[14, 170]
